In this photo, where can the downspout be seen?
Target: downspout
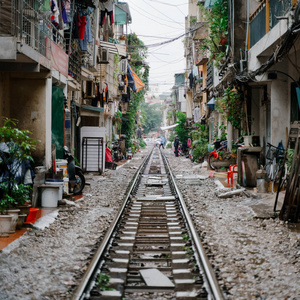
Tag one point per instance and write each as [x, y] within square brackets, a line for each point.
[247, 38]
[247, 30]
[97, 16]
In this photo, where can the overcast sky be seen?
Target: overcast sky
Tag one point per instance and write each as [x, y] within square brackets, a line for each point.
[155, 22]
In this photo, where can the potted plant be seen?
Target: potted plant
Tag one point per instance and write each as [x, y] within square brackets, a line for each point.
[5, 218]
[122, 39]
[15, 149]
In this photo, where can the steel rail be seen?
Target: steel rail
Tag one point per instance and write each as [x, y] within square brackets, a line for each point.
[204, 261]
[79, 292]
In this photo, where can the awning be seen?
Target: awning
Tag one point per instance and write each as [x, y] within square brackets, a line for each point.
[122, 14]
[211, 103]
[169, 127]
[209, 3]
[114, 48]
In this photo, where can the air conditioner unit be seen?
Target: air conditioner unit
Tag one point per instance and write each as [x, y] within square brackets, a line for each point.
[123, 66]
[104, 55]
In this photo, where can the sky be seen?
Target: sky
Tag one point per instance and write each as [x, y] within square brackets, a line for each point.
[155, 22]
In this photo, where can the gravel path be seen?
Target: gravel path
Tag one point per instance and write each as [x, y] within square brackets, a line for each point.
[254, 258]
[46, 264]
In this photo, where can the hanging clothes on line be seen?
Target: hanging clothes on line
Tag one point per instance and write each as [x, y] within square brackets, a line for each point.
[196, 114]
[55, 12]
[106, 8]
[81, 26]
[104, 91]
[88, 37]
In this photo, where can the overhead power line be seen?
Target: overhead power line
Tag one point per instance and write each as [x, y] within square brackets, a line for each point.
[167, 42]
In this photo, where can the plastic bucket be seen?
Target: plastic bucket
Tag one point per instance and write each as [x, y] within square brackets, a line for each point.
[50, 195]
[59, 182]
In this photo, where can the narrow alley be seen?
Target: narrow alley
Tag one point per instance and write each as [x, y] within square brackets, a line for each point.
[150, 149]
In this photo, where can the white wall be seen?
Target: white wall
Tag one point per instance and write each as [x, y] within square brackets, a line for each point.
[280, 111]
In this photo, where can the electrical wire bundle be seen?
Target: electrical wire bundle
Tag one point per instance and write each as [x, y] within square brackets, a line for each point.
[279, 53]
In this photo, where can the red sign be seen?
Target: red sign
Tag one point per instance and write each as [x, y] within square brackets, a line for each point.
[58, 57]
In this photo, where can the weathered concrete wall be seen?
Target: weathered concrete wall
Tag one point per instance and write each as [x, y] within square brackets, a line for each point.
[255, 109]
[280, 111]
[27, 103]
[238, 35]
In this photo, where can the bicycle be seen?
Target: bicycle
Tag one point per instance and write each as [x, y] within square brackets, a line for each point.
[273, 167]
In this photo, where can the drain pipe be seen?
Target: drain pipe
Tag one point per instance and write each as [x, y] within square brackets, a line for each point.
[247, 38]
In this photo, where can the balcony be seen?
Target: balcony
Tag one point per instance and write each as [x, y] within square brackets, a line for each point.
[265, 17]
[26, 21]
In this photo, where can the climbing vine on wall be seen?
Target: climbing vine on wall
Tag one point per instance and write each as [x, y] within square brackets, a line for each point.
[217, 20]
[138, 53]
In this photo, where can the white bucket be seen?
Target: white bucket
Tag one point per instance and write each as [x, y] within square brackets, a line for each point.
[50, 196]
[66, 185]
[59, 182]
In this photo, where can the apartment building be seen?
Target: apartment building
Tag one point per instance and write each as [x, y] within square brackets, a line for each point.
[62, 71]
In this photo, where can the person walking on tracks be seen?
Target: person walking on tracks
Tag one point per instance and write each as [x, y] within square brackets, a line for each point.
[162, 142]
[176, 145]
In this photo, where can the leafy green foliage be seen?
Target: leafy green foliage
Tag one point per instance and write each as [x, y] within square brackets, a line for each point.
[19, 145]
[200, 141]
[18, 195]
[102, 281]
[217, 20]
[142, 143]
[151, 117]
[181, 129]
[234, 105]
[138, 53]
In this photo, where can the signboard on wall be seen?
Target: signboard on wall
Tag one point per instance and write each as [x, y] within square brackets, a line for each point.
[57, 56]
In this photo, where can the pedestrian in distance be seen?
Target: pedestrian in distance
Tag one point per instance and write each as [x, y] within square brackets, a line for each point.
[139, 133]
[162, 142]
[176, 145]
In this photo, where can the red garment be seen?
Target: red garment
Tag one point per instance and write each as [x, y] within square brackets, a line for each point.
[81, 26]
[108, 155]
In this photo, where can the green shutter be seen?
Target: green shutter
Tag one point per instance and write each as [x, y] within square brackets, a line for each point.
[58, 120]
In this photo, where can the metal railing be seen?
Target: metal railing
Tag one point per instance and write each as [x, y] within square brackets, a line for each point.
[28, 20]
[265, 17]
[278, 9]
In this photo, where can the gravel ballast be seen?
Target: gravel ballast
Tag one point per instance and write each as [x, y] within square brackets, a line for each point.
[255, 258]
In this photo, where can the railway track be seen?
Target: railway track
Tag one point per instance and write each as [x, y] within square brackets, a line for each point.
[152, 251]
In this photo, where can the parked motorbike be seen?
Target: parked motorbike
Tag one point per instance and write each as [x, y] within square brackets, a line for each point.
[116, 150]
[213, 155]
[75, 173]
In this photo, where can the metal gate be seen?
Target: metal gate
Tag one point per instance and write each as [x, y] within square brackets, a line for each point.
[92, 154]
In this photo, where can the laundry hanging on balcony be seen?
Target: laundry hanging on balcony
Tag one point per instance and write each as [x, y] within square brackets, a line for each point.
[134, 82]
[106, 8]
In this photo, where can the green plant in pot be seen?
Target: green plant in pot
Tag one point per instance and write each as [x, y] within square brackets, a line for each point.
[15, 149]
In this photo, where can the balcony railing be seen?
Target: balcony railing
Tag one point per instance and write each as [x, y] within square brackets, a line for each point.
[27, 20]
[266, 16]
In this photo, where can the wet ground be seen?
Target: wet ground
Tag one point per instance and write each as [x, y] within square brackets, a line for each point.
[255, 256]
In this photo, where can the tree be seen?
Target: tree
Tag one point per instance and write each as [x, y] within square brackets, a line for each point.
[181, 129]
[151, 117]
[138, 53]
